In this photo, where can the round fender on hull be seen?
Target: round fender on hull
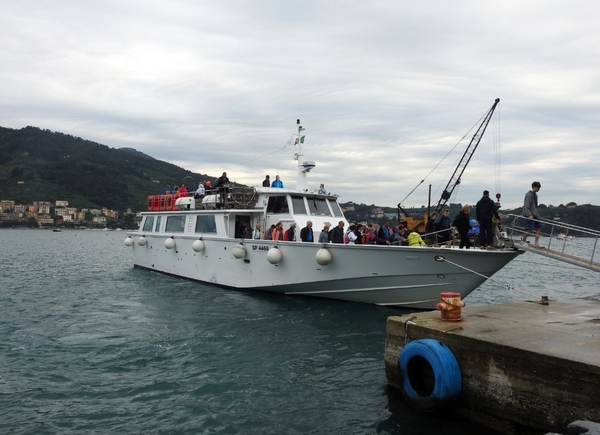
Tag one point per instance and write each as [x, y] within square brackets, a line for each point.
[142, 241]
[430, 374]
[239, 251]
[198, 246]
[170, 243]
[323, 256]
[128, 241]
[274, 255]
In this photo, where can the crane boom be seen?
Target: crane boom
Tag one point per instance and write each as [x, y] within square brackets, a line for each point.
[464, 161]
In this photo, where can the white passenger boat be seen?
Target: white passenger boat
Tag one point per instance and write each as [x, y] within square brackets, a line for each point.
[201, 240]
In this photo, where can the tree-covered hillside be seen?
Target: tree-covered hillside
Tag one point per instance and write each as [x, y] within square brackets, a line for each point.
[41, 165]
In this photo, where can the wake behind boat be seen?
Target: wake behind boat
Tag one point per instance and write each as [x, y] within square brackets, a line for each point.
[202, 240]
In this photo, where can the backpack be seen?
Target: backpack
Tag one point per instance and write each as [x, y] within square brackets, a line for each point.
[364, 239]
[346, 239]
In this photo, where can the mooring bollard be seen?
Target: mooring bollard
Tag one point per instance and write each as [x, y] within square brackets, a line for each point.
[449, 306]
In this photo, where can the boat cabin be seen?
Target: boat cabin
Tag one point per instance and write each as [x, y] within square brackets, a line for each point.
[227, 214]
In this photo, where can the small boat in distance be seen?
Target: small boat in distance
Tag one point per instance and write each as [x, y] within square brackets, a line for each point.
[56, 230]
[563, 236]
[201, 239]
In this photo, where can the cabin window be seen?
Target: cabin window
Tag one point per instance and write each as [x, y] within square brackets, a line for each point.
[335, 207]
[157, 226]
[175, 224]
[206, 224]
[318, 207]
[298, 205]
[148, 223]
[277, 204]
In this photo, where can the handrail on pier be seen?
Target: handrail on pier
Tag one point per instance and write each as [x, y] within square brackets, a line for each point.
[559, 240]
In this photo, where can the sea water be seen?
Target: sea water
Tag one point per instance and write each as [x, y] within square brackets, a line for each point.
[91, 345]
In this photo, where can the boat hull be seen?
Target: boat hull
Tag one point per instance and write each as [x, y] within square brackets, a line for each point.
[411, 277]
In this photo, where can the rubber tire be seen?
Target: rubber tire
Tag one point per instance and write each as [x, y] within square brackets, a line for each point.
[430, 374]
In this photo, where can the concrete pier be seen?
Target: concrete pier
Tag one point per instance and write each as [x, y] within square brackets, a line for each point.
[526, 367]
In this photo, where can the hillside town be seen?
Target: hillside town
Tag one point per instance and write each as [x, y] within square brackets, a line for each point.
[47, 214]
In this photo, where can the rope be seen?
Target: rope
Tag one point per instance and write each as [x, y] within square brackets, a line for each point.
[509, 286]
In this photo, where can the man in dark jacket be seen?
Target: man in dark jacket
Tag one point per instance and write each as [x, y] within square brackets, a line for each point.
[484, 211]
[306, 233]
[337, 233]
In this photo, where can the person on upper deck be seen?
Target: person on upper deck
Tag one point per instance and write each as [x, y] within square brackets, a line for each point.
[168, 190]
[277, 182]
[221, 185]
[322, 189]
[183, 190]
[222, 181]
[200, 191]
[267, 181]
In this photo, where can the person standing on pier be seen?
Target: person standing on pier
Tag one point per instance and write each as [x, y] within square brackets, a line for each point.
[530, 214]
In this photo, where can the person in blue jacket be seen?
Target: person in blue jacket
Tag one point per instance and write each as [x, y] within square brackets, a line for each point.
[277, 182]
[443, 224]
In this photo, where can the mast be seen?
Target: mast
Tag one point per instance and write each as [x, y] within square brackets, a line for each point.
[464, 161]
[303, 166]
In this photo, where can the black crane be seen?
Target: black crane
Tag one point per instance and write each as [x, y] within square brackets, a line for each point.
[419, 225]
[465, 159]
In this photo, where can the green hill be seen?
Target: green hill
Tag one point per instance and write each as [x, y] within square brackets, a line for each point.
[42, 165]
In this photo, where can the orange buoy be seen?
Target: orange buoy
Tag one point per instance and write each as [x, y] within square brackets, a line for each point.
[449, 306]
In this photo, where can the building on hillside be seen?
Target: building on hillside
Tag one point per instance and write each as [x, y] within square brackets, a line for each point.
[9, 216]
[6, 205]
[61, 204]
[45, 219]
[377, 213]
[99, 220]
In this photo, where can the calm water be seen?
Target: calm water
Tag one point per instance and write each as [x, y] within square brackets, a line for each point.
[91, 345]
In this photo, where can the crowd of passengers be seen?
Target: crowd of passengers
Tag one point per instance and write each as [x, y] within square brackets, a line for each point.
[355, 234]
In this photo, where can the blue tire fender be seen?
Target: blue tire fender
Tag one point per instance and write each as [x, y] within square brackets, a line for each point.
[430, 374]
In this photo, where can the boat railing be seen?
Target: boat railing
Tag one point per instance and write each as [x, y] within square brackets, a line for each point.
[236, 197]
[560, 240]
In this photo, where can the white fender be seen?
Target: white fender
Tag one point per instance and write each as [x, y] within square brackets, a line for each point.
[142, 241]
[198, 245]
[323, 256]
[274, 255]
[239, 251]
[128, 241]
[170, 243]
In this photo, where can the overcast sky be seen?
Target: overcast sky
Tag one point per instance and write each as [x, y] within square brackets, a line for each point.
[385, 89]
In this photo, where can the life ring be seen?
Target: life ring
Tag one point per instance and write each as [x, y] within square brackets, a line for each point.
[430, 374]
